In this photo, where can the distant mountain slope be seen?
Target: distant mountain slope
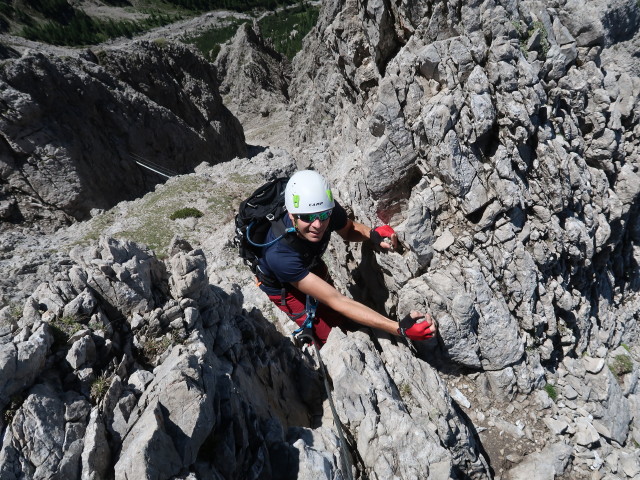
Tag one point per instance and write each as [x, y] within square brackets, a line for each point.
[88, 22]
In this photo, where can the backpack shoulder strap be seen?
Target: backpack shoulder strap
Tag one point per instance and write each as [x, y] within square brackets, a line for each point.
[281, 231]
[278, 229]
[297, 244]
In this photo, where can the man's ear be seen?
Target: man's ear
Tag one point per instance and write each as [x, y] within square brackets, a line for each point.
[294, 222]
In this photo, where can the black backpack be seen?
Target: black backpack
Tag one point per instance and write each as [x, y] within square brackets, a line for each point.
[264, 208]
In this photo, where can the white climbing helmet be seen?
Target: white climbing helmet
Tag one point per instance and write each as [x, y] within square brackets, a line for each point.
[308, 192]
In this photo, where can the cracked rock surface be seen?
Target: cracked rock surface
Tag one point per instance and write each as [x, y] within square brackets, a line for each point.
[500, 140]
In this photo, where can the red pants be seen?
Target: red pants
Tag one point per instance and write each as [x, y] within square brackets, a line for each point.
[325, 320]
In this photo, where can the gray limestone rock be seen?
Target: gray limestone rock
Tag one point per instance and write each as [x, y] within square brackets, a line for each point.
[188, 276]
[82, 353]
[123, 273]
[150, 440]
[416, 409]
[500, 140]
[22, 362]
[254, 75]
[42, 437]
[96, 454]
[544, 465]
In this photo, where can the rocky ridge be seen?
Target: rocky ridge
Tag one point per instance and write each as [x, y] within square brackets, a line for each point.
[504, 151]
[253, 76]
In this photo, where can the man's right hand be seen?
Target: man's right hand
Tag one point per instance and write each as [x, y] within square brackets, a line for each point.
[412, 328]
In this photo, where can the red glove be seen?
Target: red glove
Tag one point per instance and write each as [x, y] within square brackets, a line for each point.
[378, 235]
[415, 331]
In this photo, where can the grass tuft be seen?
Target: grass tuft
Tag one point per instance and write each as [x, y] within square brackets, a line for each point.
[187, 212]
[551, 391]
[64, 328]
[99, 387]
[405, 389]
[154, 346]
[622, 364]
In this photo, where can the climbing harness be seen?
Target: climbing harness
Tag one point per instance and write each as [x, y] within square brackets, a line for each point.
[305, 332]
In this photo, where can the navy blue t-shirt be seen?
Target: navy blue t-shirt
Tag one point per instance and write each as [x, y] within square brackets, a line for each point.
[287, 263]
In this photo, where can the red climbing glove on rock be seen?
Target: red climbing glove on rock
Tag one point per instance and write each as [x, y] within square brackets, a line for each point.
[411, 329]
[381, 234]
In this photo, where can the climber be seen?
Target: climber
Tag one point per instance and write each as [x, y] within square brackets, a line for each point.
[294, 276]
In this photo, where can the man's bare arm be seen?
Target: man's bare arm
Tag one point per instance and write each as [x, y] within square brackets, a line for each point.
[359, 313]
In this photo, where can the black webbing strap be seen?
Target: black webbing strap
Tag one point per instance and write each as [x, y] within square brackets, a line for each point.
[345, 454]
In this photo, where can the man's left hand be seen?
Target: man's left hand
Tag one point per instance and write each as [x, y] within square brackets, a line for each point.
[383, 238]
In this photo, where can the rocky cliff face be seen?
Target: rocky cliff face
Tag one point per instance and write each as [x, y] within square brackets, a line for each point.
[500, 140]
[253, 77]
[74, 128]
[504, 150]
[486, 143]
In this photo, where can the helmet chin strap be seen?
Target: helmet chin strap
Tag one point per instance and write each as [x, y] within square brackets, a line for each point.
[295, 224]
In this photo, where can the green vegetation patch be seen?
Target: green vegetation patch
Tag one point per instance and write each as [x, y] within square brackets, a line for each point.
[621, 365]
[81, 29]
[6, 9]
[525, 35]
[287, 28]
[225, 201]
[155, 236]
[152, 347]
[187, 212]
[63, 328]
[148, 220]
[244, 179]
[405, 389]
[98, 225]
[551, 391]
[99, 387]
[151, 222]
[59, 22]
[237, 5]
[208, 43]
[15, 311]
[544, 37]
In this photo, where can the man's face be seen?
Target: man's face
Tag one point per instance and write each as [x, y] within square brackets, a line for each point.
[312, 226]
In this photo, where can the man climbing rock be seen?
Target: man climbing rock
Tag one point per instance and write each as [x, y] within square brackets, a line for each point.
[293, 275]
